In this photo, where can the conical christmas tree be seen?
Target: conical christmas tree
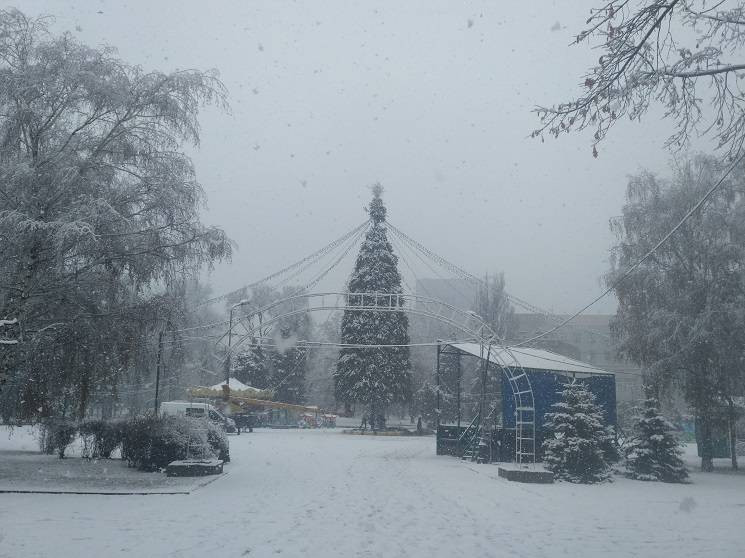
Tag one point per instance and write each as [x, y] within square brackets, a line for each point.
[654, 453]
[376, 376]
[575, 449]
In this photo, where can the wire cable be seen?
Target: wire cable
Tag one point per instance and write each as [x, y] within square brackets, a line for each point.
[445, 264]
[290, 267]
[646, 256]
[448, 282]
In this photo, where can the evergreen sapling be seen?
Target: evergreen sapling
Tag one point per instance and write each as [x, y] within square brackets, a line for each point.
[574, 451]
[654, 454]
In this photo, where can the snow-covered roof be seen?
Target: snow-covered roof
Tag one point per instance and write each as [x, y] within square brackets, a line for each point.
[234, 385]
[536, 359]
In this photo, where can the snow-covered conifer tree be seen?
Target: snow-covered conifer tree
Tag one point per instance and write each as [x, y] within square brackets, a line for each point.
[654, 454]
[374, 377]
[252, 368]
[574, 450]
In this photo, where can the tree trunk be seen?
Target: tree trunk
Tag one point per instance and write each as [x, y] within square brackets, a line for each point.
[732, 419]
[706, 444]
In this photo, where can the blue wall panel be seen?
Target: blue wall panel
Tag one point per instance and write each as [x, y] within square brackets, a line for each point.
[546, 385]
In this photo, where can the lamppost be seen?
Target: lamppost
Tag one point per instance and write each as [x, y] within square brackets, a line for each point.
[230, 338]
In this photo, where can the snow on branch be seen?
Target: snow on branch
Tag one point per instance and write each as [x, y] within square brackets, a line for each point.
[679, 54]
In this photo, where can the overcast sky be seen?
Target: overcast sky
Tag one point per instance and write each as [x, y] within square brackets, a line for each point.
[431, 98]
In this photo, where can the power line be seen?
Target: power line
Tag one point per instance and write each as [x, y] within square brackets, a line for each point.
[325, 344]
[290, 267]
[313, 283]
[344, 254]
[644, 258]
[421, 259]
[300, 271]
[413, 273]
[445, 264]
[355, 235]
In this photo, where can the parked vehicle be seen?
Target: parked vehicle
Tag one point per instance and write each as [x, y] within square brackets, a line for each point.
[197, 410]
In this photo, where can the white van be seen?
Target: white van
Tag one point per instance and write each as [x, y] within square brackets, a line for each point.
[196, 410]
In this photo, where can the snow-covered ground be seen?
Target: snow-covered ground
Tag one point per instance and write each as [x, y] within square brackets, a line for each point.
[322, 493]
[23, 468]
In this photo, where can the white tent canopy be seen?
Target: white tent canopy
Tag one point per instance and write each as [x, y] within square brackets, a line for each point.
[535, 359]
[234, 385]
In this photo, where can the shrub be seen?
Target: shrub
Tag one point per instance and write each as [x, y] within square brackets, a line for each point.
[177, 438]
[218, 441]
[100, 438]
[151, 443]
[136, 440]
[55, 434]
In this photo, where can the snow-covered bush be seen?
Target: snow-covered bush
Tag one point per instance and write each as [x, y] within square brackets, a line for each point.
[151, 443]
[100, 438]
[578, 440]
[654, 454]
[218, 441]
[55, 434]
[136, 440]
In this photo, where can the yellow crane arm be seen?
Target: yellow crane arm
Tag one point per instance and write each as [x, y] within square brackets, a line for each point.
[237, 397]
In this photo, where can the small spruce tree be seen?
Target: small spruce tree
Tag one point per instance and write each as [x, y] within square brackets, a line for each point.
[654, 454]
[574, 450]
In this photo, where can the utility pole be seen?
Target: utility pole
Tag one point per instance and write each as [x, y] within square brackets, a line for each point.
[460, 374]
[230, 339]
[438, 410]
[157, 371]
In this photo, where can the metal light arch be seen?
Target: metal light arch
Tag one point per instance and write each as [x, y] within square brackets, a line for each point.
[465, 321]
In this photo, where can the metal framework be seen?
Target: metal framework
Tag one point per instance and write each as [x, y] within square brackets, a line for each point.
[478, 430]
[260, 321]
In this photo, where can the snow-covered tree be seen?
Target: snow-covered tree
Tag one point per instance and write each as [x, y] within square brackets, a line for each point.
[680, 313]
[574, 449]
[7, 346]
[288, 369]
[680, 54]
[99, 218]
[424, 403]
[252, 367]
[375, 377]
[277, 364]
[321, 360]
[493, 305]
[654, 454]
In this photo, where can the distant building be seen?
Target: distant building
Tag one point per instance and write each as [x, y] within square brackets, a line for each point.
[456, 292]
[586, 338]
